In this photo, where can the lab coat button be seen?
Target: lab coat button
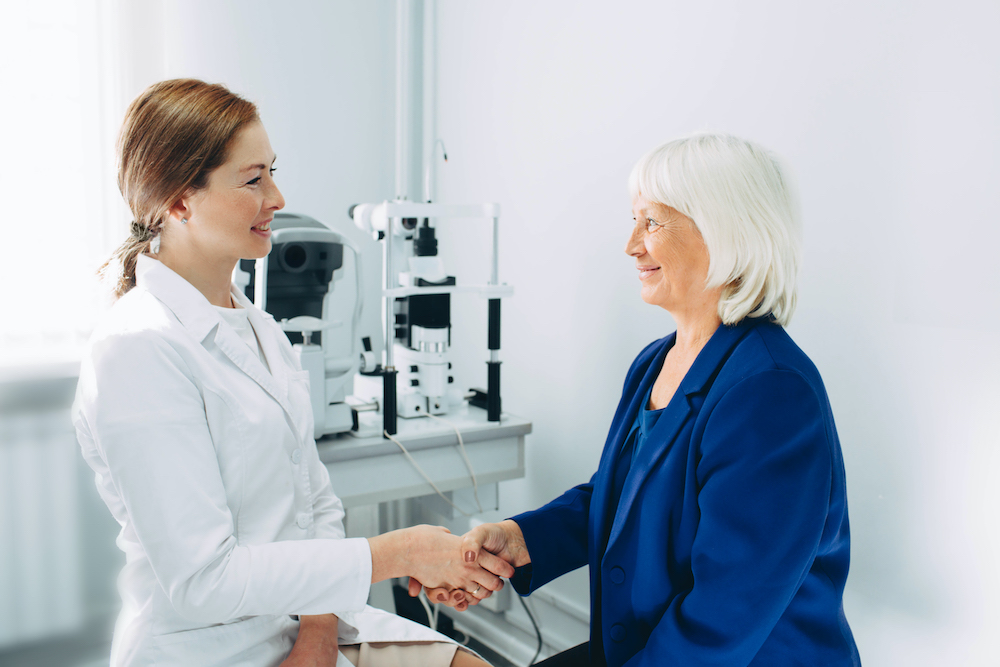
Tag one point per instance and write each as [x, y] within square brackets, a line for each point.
[302, 520]
[617, 575]
[296, 456]
[617, 632]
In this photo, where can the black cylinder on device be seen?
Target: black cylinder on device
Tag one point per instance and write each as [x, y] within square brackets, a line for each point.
[389, 402]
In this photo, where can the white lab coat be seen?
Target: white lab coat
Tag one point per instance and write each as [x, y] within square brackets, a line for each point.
[207, 460]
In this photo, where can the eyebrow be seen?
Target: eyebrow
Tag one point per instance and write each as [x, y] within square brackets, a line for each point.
[255, 167]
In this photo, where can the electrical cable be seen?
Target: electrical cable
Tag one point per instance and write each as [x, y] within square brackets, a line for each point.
[537, 631]
[423, 474]
[432, 617]
[465, 457]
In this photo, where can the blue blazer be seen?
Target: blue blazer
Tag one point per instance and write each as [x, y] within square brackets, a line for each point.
[730, 543]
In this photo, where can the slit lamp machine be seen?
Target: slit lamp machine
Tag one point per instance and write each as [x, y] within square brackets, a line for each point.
[331, 317]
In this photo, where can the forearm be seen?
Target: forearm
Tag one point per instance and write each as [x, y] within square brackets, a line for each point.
[389, 555]
[316, 643]
[554, 538]
[318, 630]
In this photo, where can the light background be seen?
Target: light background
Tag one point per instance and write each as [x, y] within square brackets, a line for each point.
[887, 113]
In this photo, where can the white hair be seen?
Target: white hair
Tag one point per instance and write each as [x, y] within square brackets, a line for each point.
[744, 206]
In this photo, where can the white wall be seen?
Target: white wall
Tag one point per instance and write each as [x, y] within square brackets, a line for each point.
[321, 73]
[887, 113]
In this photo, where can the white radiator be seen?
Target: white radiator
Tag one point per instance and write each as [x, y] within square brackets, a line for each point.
[40, 547]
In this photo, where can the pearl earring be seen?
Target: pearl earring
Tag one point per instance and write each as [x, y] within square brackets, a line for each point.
[184, 221]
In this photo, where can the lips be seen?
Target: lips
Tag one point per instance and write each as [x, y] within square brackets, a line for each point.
[646, 271]
[263, 227]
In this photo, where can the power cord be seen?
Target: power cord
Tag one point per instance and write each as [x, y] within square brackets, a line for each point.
[465, 457]
[432, 617]
[424, 475]
[534, 624]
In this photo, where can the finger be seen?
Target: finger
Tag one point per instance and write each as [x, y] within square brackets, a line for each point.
[483, 586]
[465, 598]
[441, 598]
[471, 545]
[413, 588]
[438, 594]
[495, 564]
[489, 582]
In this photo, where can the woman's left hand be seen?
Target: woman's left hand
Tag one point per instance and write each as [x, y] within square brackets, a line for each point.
[316, 645]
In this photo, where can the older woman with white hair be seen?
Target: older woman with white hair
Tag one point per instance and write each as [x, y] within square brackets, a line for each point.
[716, 525]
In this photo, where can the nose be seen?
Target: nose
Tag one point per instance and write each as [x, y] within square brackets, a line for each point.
[636, 246]
[275, 200]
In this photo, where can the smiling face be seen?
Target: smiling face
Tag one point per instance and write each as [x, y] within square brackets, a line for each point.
[671, 257]
[230, 218]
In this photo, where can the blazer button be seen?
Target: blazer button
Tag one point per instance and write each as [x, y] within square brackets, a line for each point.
[618, 632]
[302, 521]
[296, 456]
[617, 575]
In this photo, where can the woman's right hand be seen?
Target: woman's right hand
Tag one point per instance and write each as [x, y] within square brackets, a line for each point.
[497, 547]
[433, 556]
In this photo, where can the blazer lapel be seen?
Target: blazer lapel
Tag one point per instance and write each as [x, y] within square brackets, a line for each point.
[702, 371]
[637, 384]
[643, 461]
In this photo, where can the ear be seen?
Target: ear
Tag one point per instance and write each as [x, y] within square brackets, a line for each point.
[182, 208]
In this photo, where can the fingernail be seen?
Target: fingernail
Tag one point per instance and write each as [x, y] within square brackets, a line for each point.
[442, 597]
[470, 556]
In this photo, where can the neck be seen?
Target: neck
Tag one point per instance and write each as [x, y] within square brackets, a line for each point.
[210, 276]
[692, 335]
[695, 327]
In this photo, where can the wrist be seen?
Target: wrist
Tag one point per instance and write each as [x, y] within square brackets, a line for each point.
[516, 546]
[389, 554]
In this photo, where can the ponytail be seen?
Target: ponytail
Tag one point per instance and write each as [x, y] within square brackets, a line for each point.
[119, 269]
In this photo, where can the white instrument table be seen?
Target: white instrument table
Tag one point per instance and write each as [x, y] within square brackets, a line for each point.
[366, 471]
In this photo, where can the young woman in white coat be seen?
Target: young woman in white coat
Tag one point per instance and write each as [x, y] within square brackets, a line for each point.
[194, 413]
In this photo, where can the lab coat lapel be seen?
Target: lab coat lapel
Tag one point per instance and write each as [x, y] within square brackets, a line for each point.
[674, 416]
[264, 330]
[198, 316]
[229, 342]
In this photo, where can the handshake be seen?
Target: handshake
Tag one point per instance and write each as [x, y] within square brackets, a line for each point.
[456, 571]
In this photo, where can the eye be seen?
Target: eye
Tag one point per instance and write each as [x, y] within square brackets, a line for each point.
[651, 225]
[257, 180]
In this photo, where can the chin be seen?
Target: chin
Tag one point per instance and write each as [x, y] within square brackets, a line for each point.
[257, 253]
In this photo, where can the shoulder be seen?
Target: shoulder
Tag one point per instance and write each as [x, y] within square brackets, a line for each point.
[768, 385]
[768, 350]
[137, 331]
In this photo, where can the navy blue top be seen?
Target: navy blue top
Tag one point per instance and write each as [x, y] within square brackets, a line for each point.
[634, 441]
[715, 529]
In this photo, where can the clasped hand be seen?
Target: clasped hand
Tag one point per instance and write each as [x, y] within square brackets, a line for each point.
[492, 550]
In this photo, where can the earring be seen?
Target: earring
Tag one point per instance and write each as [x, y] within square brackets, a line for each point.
[184, 221]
